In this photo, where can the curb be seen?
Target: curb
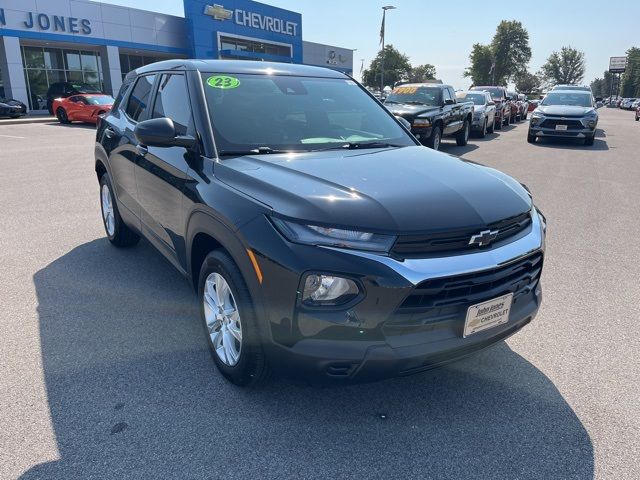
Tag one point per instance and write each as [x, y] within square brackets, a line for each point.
[26, 120]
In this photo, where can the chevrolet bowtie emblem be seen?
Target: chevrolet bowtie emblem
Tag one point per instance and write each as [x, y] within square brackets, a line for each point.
[218, 12]
[484, 238]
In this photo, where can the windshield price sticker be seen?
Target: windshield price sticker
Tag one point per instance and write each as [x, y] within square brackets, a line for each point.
[223, 82]
[406, 90]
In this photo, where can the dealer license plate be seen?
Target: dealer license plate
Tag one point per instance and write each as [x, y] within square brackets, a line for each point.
[561, 127]
[485, 315]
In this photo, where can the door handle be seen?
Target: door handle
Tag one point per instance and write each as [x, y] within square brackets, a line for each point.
[142, 150]
[109, 133]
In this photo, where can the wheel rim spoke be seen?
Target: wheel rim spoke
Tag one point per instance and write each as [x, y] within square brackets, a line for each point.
[222, 318]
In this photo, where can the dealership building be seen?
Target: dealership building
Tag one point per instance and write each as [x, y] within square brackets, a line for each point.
[81, 41]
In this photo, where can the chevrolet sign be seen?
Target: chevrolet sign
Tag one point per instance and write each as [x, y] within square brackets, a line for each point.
[218, 12]
[252, 19]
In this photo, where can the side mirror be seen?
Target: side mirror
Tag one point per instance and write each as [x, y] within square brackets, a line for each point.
[161, 132]
[449, 101]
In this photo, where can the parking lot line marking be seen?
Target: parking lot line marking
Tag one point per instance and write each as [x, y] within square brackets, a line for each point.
[11, 136]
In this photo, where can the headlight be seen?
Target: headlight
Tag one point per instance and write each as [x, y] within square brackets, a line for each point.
[421, 122]
[328, 290]
[536, 115]
[333, 237]
[543, 219]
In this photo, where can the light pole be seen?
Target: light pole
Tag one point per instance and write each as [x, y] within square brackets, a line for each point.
[384, 16]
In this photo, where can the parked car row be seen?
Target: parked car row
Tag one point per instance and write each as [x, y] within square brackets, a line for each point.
[433, 111]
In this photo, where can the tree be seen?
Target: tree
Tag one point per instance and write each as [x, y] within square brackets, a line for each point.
[597, 87]
[510, 46]
[422, 73]
[565, 66]
[396, 68]
[601, 87]
[630, 81]
[480, 69]
[504, 59]
[528, 83]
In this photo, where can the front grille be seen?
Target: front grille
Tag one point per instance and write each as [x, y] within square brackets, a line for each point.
[448, 298]
[552, 122]
[416, 246]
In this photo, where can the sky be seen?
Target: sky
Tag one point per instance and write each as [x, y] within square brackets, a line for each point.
[442, 33]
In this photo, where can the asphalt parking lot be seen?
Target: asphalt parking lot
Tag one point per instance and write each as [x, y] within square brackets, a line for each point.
[105, 373]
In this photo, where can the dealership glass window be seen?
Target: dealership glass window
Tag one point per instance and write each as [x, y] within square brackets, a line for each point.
[44, 66]
[130, 62]
[53, 59]
[243, 45]
[33, 57]
[72, 60]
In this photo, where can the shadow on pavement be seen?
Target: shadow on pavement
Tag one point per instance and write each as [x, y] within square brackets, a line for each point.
[88, 126]
[133, 393]
[572, 143]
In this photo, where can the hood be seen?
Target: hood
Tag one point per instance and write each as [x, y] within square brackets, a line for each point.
[409, 111]
[11, 102]
[564, 110]
[396, 190]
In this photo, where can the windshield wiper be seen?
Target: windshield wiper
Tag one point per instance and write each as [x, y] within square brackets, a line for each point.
[255, 151]
[358, 145]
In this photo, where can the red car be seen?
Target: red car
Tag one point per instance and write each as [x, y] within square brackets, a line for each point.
[82, 108]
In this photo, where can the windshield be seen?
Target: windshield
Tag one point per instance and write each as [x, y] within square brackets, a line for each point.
[476, 98]
[289, 113]
[100, 100]
[84, 88]
[572, 87]
[430, 96]
[573, 99]
[496, 93]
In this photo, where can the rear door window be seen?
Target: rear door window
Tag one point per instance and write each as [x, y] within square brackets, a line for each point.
[140, 98]
[172, 101]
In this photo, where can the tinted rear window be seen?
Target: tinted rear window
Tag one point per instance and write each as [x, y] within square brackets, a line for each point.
[140, 98]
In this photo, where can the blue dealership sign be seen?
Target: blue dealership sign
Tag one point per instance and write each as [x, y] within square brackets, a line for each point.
[236, 29]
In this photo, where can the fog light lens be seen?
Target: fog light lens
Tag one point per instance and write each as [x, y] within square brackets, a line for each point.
[328, 290]
[592, 124]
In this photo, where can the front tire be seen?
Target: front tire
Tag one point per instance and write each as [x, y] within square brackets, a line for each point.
[589, 141]
[436, 137]
[531, 138]
[462, 137]
[483, 132]
[118, 233]
[62, 116]
[230, 322]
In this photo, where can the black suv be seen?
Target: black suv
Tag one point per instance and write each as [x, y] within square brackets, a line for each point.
[324, 242]
[67, 89]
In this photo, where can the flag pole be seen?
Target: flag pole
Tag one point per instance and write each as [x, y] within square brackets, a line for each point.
[384, 16]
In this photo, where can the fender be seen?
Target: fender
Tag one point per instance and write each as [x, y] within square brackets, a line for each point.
[201, 221]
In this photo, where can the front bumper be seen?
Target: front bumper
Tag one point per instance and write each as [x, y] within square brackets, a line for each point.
[372, 340]
[577, 127]
[477, 123]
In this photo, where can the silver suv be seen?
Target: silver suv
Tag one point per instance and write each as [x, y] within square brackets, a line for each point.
[565, 113]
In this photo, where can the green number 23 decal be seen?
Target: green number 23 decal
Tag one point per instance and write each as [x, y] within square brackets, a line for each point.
[222, 81]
